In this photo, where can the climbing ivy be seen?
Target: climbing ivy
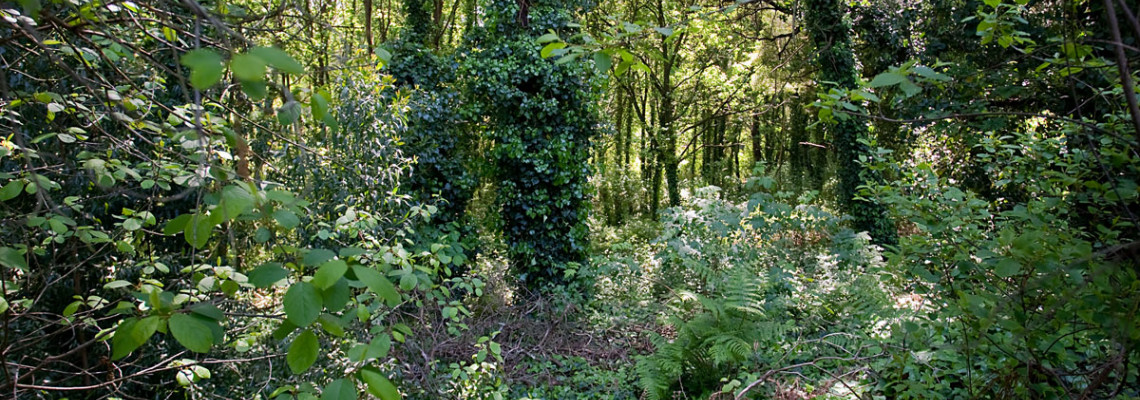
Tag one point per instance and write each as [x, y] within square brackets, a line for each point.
[540, 118]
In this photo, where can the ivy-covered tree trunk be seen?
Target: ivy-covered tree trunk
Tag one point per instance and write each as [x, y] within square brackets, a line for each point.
[542, 124]
[831, 35]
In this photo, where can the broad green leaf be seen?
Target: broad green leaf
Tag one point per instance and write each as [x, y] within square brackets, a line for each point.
[191, 333]
[279, 60]
[11, 190]
[286, 218]
[329, 273]
[378, 384]
[131, 334]
[177, 225]
[408, 282]
[198, 230]
[248, 67]
[340, 389]
[336, 297]
[378, 284]
[887, 79]
[12, 258]
[331, 324]
[547, 38]
[302, 303]
[4, 305]
[602, 62]
[319, 106]
[317, 257]
[267, 274]
[205, 67]
[379, 347]
[664, 31]
[302, 352]
[256, 90]
[1007, 267]
[289, 113]
[235, 201]
[548, 49]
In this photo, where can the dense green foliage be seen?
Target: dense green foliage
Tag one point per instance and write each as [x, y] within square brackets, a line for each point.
[565, 199]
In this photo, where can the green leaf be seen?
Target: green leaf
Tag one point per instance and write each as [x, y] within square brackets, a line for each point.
[267, 274]
[131, 334]
[208, 310]
[302, 352]
[331, 324]
[205, 67]
[408, 282]
[4, 305]
[286, 218]
[177, 225]
[289, 113]
[887, 79]
[12, 258]
[378, 384]
[664, 31]
[329, 273]
[11, 190]
[378, 284]
[340, 389]
[256, 90]
[547, 38]
[317, 257]
[548, 49]
[191, 333]
[279, 59]
[602, 62]
[336, 297]
[319, 106]
[235, 201]
[198, 230]
[302, 303]
[379, 347]
[1007, 267]
[248, 68]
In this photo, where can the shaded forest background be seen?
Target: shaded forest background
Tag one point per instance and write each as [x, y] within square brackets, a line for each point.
[559, 199]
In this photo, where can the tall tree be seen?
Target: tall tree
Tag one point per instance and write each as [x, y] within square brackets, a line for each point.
[830, 32]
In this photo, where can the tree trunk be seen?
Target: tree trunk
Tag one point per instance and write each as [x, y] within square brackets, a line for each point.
[831, 36]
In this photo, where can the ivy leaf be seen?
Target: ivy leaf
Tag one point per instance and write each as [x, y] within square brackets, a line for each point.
[267, 274]
[302, 352]
[205, 67]
[340, 389]
[378, 384]
[191, 333]
[131, 334]
[329, 273]
[378, 284]
[279, 60]
[302, 303]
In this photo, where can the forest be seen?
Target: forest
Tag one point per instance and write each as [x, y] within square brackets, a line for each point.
[569, 199]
